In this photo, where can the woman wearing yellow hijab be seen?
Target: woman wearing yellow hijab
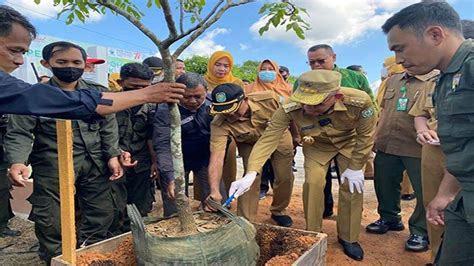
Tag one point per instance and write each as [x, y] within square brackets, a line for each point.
[219, 70]
[269, 78]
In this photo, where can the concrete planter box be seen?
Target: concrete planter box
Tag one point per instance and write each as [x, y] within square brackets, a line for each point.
[315, 255]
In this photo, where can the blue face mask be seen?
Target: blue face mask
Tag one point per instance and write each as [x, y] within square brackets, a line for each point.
[267, 75]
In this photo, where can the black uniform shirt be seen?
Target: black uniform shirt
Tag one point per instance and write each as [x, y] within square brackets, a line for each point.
[19, 97]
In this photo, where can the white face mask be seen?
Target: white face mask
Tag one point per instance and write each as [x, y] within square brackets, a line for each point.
[384, 73]
[157, 79]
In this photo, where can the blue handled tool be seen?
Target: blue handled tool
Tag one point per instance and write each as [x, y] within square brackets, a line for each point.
[229, 200]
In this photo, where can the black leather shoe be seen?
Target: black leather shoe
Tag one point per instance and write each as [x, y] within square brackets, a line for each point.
[282, 220]
[7, 232]
[407, 197]
[382, 227]
[327, 214]
[417, 243]
[353, 250]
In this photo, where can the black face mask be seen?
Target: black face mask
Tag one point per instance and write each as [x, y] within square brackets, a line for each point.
[67, 74]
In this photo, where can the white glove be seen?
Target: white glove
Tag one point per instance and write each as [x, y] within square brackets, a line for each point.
[355, 179]
[242, 185]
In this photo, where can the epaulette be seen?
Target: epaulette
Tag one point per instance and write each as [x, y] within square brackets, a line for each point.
[355, 101]
[262, 95]
[291, 106]
[218, 120]
[97, 86]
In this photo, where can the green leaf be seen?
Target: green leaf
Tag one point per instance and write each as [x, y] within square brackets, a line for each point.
[80, 16]
[70, 18]
[275, 21]
[149, 3]
[158, 3]
[263, 29]
[299, 32]
[263, 8]
[82, 7]
[37, 2]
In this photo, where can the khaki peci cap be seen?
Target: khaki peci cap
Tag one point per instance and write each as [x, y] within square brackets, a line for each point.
[314, 86]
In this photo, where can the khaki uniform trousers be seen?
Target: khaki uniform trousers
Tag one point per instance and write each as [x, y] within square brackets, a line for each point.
[282, 187]
[349, 212]
[433, 164]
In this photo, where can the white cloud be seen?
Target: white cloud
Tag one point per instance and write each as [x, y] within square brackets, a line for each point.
[375, 85]
[243, 46]
[205, 45]
[45, 10]
[336, 21]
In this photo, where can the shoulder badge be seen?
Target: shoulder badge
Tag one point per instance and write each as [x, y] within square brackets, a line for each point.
[456, 79]
[291, 106]
[368, 112]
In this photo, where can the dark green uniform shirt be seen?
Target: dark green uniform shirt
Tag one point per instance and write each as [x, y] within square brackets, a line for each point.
[33, 139]
[135, 130]
[454, 98]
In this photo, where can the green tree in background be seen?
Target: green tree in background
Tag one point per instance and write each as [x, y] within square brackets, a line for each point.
[248, 70]
[197, 64]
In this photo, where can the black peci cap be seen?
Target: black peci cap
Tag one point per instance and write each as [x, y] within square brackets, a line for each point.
[153, 61]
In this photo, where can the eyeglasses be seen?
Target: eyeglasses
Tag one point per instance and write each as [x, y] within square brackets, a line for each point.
[317, 61]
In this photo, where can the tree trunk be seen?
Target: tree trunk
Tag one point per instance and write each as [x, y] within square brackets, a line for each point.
[185, 214]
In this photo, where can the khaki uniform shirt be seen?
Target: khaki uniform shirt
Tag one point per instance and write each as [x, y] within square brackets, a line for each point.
[396, 133]
[348, 130]
[424, 106]
[262, 106]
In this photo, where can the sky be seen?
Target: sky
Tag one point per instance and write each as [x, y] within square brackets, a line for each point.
[351, 27]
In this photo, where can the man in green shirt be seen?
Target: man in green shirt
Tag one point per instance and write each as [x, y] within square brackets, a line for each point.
[322, 56]
[135, 132]
[6, 212]
[33, 139]
[427, 36]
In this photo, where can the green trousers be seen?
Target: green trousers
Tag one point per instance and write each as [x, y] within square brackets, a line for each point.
[388, 176]
[132, 188]
[140, 190]
[458, 238]
[6, 212]
[94, 199]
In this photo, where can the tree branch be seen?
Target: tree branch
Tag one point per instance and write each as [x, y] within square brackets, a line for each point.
[131, 19]
[181, 16]
[165, 5]
[204, 20]
[207, 24]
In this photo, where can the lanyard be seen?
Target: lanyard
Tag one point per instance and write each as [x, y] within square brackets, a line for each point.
[402, 103]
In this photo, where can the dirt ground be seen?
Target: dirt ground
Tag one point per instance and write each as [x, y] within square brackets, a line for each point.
[387, 249]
